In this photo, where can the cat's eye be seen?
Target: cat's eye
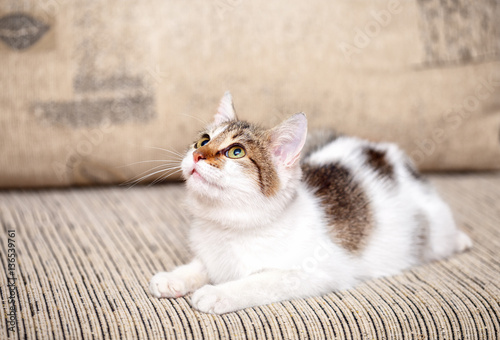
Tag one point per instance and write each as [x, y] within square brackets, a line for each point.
[236, 152]
[203, 141]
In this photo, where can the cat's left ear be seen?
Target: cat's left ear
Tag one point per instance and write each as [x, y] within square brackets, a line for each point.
[225, 112]
[288, 138]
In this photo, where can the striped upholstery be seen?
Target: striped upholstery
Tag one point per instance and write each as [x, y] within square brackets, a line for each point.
[85, 256]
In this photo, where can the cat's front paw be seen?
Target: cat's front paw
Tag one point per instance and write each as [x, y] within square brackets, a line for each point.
[212, 299]
[165, 284]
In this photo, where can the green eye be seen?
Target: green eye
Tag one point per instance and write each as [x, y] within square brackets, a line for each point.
[203, 141]
[236, 152]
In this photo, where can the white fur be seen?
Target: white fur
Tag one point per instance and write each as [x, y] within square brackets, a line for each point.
[251, 250]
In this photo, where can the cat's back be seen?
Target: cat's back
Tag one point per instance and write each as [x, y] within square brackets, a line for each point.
[353, 169]
[383, 161]
[377, 206]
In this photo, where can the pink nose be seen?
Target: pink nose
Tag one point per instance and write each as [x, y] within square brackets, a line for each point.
[197, 156]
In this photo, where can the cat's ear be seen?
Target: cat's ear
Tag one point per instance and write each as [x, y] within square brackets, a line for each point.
[288, 138]
[225, 112]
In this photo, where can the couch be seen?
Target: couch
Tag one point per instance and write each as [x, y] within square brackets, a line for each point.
[85, 257]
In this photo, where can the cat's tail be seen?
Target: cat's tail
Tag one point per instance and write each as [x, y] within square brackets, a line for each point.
[463, 242]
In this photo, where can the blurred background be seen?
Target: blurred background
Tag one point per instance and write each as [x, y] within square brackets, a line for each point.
[88, 88]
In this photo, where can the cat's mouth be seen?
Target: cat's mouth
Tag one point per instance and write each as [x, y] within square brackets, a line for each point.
[197, 175]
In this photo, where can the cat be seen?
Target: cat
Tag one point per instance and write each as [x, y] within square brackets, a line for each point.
[276, 218]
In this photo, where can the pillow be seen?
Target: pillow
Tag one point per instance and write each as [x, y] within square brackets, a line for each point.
[91, 87]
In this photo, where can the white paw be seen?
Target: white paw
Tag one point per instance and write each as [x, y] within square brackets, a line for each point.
[165, 284]
[212, 299]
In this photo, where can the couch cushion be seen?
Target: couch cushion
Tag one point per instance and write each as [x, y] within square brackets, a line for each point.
[89, 87]
[85, 257]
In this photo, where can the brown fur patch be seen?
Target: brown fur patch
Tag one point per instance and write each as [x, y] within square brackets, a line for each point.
[378, 161]
[258, 160]
[344, 201]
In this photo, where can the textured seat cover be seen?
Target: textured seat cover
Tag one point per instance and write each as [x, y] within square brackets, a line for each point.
[85, 257]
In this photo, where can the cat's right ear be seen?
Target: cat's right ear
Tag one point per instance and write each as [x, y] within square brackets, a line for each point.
[288, 139]
[225, 112]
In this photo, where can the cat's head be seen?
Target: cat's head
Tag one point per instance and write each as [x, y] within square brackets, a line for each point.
[234, 162]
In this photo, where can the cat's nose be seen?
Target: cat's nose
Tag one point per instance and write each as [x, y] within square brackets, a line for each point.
[197, 156]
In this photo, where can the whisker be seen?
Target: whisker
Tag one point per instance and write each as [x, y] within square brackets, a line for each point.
[157, 180]
[168, 173]
[176, 153]
[134, 182]
[168, 161]
[167, 166]
[164, 177]
[156, 167]
[152, 147]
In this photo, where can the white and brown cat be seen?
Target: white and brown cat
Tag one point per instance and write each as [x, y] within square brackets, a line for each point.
[275, 219]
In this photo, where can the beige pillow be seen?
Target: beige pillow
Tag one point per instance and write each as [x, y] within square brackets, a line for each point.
[89, 87]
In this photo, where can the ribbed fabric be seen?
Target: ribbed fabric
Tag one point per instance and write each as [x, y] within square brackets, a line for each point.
[85, 257]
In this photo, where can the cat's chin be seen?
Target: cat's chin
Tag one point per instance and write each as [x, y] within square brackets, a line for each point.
[200, 186]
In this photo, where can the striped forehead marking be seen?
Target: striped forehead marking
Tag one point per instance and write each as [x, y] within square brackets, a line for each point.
[226, 133]
[220, 129]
